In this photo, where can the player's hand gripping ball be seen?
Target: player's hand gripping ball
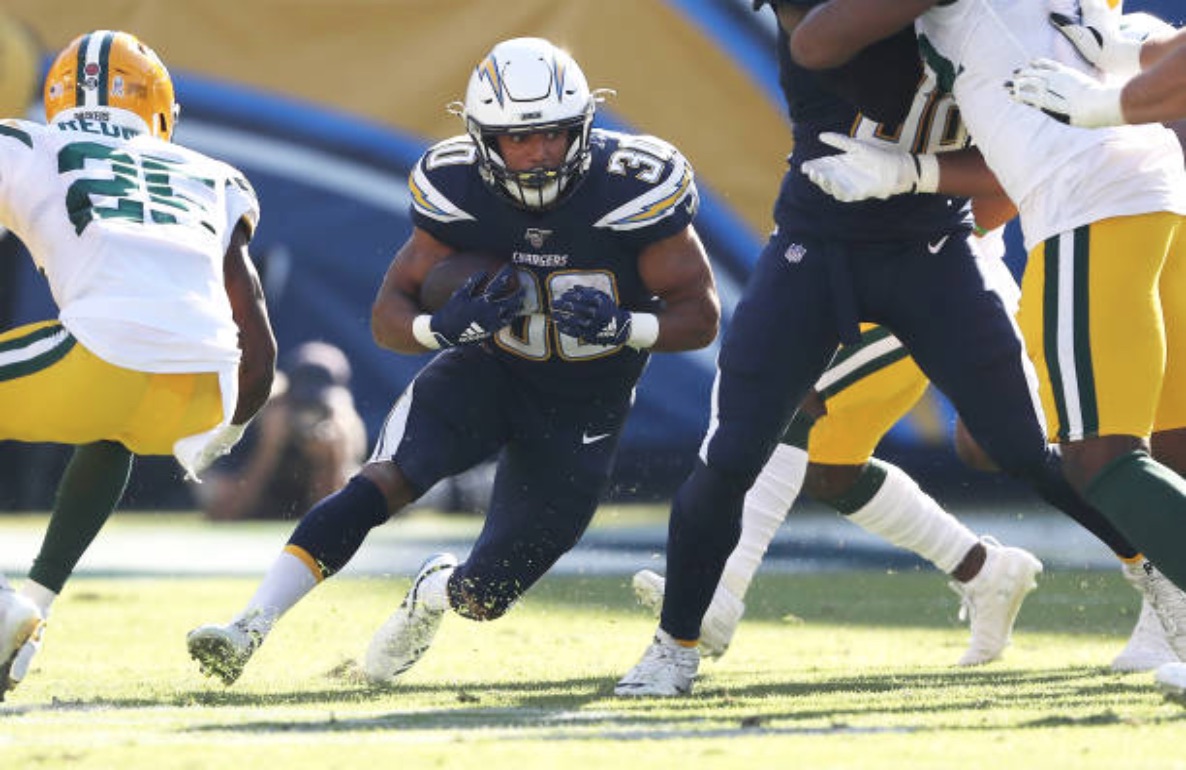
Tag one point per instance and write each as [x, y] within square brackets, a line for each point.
[448, 275]
[486, 300]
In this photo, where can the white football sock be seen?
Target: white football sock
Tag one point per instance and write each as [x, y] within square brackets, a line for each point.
[766, 506]
[909, 518]
[39, 594]
[287, 581]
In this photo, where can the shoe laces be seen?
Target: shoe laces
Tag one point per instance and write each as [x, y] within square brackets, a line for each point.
[1168, 601]
[664, 654]
[965, 611]
[253, 627]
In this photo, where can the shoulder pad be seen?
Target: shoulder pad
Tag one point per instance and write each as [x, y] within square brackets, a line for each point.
[663, 182]
[441, 167]
[882, 79]
[18, 130]
[242, 200]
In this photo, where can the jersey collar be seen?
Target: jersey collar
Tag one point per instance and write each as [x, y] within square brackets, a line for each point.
[110, 115]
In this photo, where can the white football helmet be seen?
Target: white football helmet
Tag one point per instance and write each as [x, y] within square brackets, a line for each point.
[526, 85]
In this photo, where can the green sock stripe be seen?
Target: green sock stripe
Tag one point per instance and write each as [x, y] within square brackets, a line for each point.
[867, 485]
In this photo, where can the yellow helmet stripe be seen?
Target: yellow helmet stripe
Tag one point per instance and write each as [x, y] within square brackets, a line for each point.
[489, 70]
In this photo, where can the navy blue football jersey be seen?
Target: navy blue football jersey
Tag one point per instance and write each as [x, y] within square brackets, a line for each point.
[931, 124]
[638, 190]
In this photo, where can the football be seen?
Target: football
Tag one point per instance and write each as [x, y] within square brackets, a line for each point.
[450, 273]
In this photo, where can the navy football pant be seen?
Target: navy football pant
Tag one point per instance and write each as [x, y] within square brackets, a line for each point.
[806, 296]
[556, 455]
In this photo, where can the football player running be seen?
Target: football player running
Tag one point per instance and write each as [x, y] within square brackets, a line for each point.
[827, 452]
[1143, 57]
[905, 263]
[162, 344]
[596, 227]
[1102, 214]
[829, 446]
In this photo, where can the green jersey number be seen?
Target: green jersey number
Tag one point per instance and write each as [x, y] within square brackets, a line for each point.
[140, 188]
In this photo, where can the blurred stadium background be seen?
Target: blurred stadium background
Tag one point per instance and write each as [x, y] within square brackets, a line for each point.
[326, 105]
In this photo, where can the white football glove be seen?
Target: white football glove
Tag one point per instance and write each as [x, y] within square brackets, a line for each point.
[865, 170]
[1066, 94]
[1102, 37]
[221, 443]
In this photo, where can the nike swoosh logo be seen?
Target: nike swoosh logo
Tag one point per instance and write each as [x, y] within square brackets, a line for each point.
[587, 439]
[937, 246]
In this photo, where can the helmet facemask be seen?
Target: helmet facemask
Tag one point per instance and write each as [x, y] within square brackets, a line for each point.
[537, 188]
[528, 86]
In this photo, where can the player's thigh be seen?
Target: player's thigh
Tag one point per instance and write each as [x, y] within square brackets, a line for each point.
[1092, 319]
[549, 481]
[52, 389]
[780, 339]
[1171, 409]
[867, 389]
[452, 416]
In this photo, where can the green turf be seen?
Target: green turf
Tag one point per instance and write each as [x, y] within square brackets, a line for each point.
[848, 670]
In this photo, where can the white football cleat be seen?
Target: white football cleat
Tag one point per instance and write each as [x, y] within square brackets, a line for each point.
[407, 634]
[1147, 647]
[21, 622]
[720, 619]
[23, 660]
[991, 600]
[648, 589]
[223, 651]
[1167, 600]
[666, 670]
[1171, 680]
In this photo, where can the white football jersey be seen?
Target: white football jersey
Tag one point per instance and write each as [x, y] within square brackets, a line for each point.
[1060, 177]
[130, 231]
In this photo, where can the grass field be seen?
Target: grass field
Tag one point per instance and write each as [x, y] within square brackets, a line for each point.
[844, 670]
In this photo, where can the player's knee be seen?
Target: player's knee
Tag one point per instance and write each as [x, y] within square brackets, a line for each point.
[1083, 461]
[1169, 449]
[706, 493]
[829, 483]
[969, 451]
[397, 490]
[738, 450]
